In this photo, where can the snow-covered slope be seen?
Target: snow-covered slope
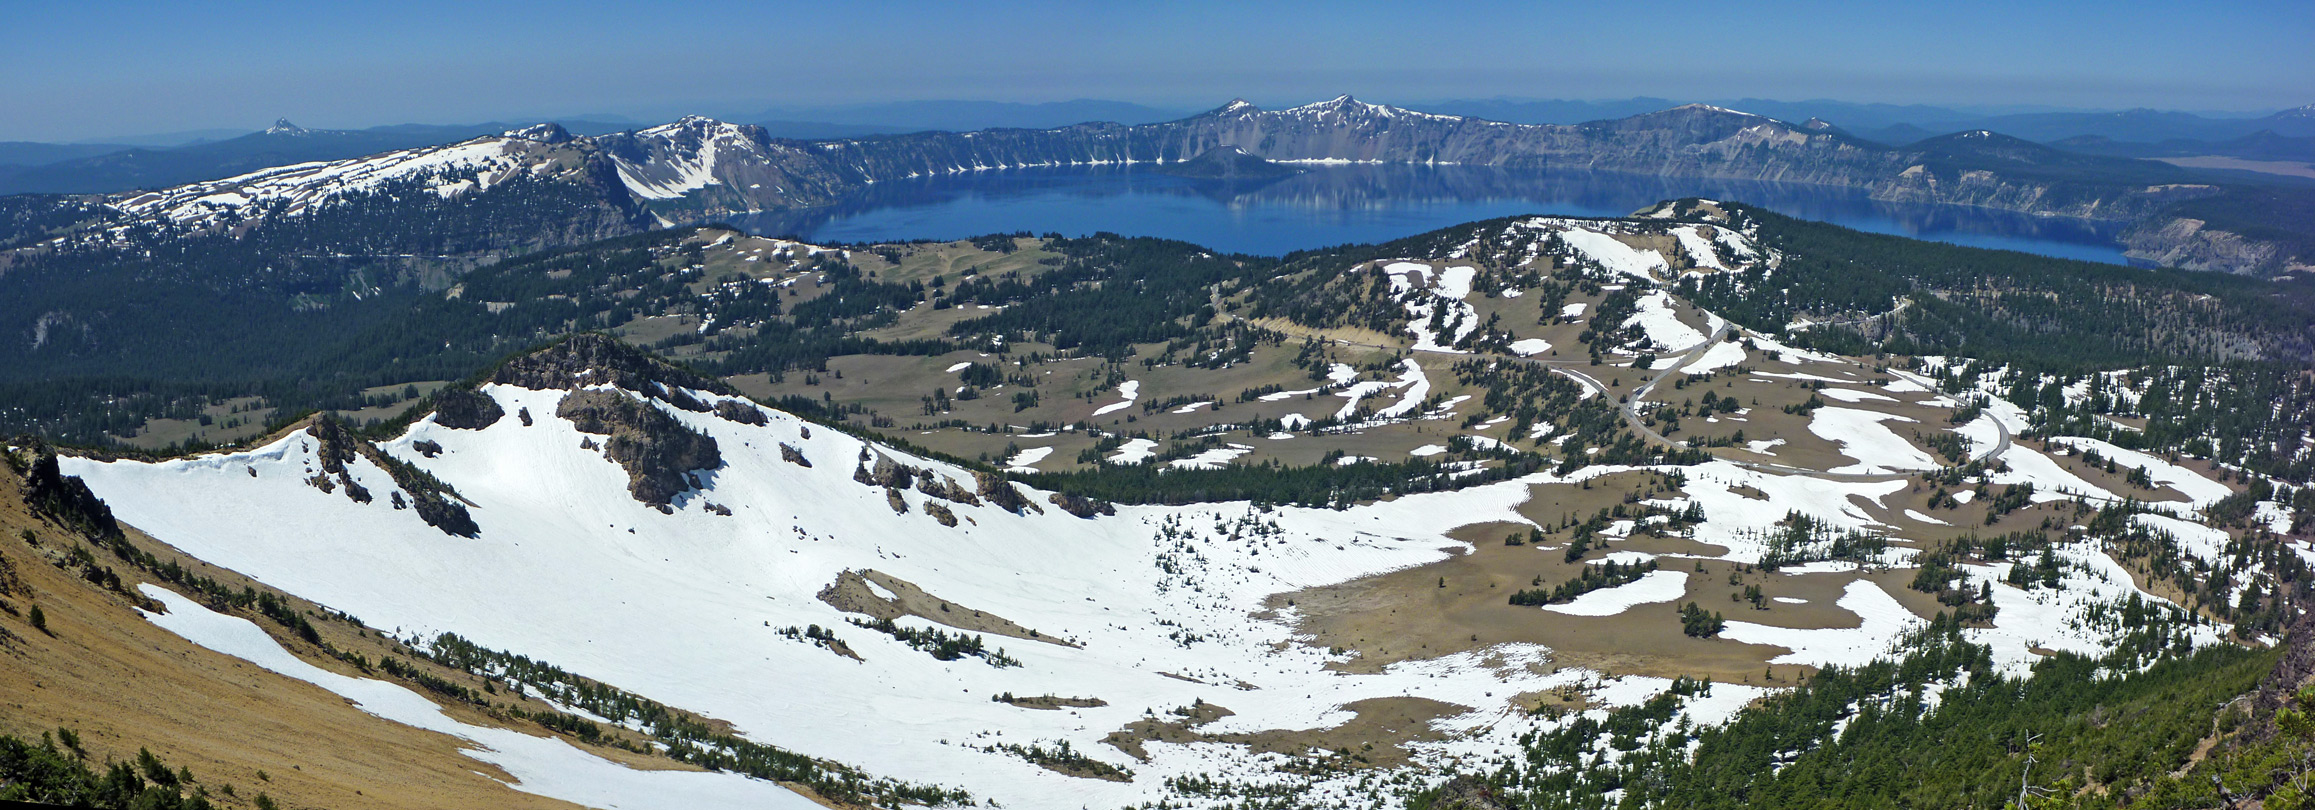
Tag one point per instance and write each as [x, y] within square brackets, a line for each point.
[447, 171]
[686, 607]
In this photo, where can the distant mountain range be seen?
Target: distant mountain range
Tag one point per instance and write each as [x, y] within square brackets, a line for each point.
[545, 186]
[80, 168]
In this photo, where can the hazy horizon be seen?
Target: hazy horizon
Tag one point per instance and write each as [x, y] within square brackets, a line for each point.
[159, 68]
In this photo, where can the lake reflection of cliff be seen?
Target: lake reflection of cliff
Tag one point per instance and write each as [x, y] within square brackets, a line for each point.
[1331, 205]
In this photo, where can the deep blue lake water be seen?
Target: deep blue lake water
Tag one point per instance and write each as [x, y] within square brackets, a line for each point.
[1333, 205]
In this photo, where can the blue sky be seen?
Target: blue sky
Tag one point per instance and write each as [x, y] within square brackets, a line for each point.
[88, 69]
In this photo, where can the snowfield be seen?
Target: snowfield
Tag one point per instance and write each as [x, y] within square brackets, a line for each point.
[1656, 586]
[1863, 436]
[684, 608]
[1130, 390]
[1616, 256]
[1659, 318]
[1880, 620]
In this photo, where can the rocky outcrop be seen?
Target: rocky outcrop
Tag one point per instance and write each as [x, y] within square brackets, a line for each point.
[658, 452]
[736, 411]
[436, 502]
[591, 359]
[790, 454]
[1082, 506]
[466, 409]
[1003, 495]
[339, 447]
[65, 498]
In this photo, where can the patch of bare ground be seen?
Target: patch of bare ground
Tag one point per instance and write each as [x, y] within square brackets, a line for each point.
[1462, 603]
[1376, 736]
[852, 593]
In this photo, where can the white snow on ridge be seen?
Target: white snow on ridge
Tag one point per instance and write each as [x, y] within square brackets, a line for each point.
[302, 187]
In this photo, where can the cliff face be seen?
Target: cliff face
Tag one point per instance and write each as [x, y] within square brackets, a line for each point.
[2192, 244]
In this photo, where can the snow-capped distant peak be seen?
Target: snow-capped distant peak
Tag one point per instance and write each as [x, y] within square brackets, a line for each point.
[1345, 105]
[545, 133]
[282, 126]
[1711, 108]
[1338, 102]
[1239, 105]
[685, 123]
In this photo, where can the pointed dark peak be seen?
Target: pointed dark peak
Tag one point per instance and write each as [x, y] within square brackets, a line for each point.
[590, 359]
[282, 126]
